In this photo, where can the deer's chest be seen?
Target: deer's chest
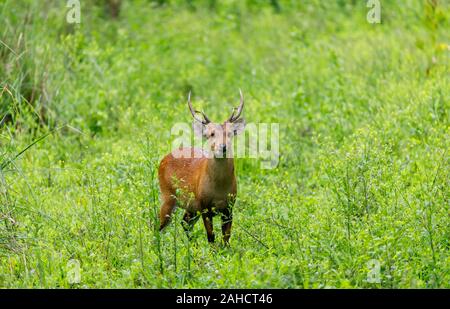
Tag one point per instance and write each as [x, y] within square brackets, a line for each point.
[217, 196]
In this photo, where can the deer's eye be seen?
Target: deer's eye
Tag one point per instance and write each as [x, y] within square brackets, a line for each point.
[212, 134]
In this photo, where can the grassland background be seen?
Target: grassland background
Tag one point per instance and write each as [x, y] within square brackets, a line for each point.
[364, 137]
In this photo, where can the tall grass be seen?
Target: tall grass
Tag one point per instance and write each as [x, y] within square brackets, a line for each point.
[86, 112]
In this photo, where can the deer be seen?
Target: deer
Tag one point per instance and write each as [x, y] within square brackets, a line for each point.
[204, 182]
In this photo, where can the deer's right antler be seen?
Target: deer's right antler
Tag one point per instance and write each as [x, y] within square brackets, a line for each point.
[205, 119]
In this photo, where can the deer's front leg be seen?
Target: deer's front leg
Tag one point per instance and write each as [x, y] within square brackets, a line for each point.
[207, 221]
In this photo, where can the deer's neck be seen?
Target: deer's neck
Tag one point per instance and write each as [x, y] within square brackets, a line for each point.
[220, 171]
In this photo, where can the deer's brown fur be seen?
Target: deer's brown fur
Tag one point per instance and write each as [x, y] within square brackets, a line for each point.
[202, 184]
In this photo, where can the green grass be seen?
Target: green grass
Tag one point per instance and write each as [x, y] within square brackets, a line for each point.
[364, 138]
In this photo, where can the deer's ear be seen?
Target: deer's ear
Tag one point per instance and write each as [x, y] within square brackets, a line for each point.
[238, 126]
[199, 129]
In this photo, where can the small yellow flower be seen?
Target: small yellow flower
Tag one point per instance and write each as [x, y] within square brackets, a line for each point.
[443, 46]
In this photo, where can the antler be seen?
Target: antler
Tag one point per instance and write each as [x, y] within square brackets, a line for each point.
[205, 119]
[234, 117]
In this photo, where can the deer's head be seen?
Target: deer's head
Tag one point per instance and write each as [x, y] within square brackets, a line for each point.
[219, 136]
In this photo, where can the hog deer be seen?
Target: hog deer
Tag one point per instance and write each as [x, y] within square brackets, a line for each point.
[203, 183]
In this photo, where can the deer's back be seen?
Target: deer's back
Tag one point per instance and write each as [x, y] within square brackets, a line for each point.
[179, 176]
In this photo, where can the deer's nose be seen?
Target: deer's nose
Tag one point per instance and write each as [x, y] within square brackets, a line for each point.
[223, 147]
